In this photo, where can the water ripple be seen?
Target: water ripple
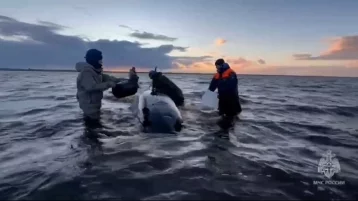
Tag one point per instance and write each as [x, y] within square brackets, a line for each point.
[272, 152]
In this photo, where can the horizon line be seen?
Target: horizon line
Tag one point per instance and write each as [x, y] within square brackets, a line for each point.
[141, 72]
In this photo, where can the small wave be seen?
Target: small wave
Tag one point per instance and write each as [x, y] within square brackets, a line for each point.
[273, 126]
[65, 97]
[194, 94]
[4, 127]
[309, 90]
[244, 101]
[345, 111]
[279, 100]
[45, 129]
[339, 110]
[20, 89]
[308, 86]
[305, 108]
[203, 82]
[34, 111]
[62, 106]
[312, 127]
[20, 97]
[337, 94]
[45, 110]
[68, 122]
[327, 141]
[4, 94]
[174, 195]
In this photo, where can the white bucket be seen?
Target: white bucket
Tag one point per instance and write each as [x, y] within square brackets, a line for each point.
[210, 99]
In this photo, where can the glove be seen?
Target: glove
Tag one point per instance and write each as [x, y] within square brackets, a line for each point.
[154, 92]
[111, 84]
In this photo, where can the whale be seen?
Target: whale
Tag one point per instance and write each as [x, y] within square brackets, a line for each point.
[157, 112]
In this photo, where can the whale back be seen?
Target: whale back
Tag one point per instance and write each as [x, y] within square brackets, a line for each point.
[157, 113]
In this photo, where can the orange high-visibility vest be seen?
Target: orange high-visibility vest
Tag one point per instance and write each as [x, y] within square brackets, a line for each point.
[226, 74]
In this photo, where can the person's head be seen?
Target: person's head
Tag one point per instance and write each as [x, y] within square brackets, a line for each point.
[221, 65]
[133, 77]
[151, 74]
[94, 57]
[154, 74]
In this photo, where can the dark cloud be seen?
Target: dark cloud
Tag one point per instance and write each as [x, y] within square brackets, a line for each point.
[128, 27]
[40, 46]
[143, 35]
[125, 26]
[6, 18]
[343, 48]
[261, 61]
[50, 24]
[150, 36]
[302, 56]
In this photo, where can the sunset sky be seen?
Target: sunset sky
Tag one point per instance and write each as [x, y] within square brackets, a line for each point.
[306, 37]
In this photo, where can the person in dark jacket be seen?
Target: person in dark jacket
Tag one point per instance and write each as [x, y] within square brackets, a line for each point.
[225, 80]
[162, 84]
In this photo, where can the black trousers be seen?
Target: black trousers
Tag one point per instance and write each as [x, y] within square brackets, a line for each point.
[92, 123]
[229, 106]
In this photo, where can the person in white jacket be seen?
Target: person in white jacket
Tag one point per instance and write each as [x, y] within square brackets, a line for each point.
[91, 83]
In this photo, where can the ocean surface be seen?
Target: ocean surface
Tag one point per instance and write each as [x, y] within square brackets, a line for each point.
[272, 152]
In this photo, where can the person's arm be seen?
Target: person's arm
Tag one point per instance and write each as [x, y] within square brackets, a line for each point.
[213, 84]
[89, 83]
[231, 84]
[109, 78]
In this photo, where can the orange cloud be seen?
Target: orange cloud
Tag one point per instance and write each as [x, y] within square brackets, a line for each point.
[197, 67]
[343, 48]
[220, 42]
[353, 64]
[238, 64]
[341, 71]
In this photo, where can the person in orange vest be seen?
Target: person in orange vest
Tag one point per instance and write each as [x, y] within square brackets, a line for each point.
[225, 80]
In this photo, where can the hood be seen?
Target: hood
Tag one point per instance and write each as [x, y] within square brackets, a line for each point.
[81, 66]
[223, 68]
